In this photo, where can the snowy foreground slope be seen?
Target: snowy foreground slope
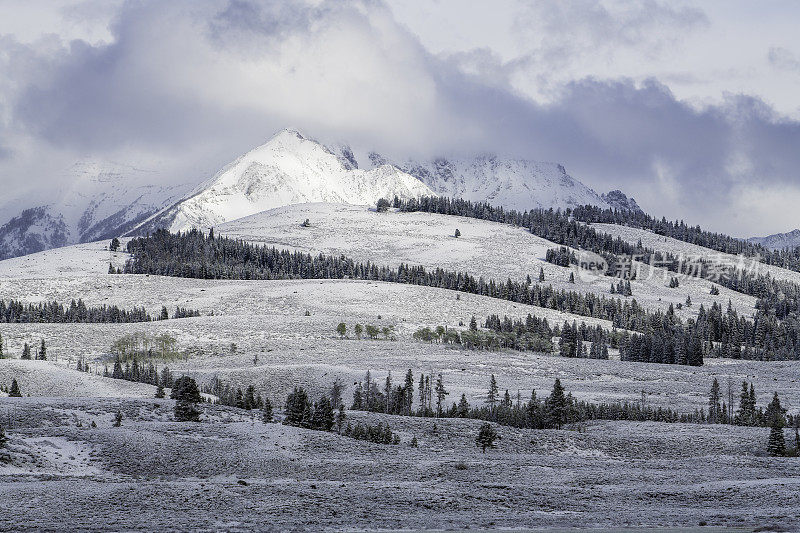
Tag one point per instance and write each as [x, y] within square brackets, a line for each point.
[231, 471]
[234, 473]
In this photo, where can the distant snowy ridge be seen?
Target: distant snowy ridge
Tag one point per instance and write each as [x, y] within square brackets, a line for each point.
[778, 241]
[289, 169]
[510, 183]
[98, 200]
[620, 201]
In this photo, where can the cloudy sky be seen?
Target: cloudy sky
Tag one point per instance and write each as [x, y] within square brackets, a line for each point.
[693, 108]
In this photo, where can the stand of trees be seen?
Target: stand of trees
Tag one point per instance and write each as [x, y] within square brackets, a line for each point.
[53, 312]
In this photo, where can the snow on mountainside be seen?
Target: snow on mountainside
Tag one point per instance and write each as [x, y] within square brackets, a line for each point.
[288, 169]
[620, 201]
[98, 200]
[511, 183]
[778, 241]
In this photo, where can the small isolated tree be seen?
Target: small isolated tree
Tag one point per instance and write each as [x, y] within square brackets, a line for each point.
[341, 329]
[266, 411]
[306, 223]
[776, 446]
[14, 392]
[26, 351]
[486, 437]
[340, 417]
[359, 330]
[114, 246]
[414, 443]
[541, 274]
[117, 419]
[187, 396]
[42, 355]
[457, 234]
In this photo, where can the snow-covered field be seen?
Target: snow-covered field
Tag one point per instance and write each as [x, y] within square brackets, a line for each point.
[233, 472]
[488, 249]
[676, 247]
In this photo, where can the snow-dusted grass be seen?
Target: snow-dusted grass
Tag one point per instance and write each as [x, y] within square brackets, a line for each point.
[488, 249]
[45, 378]
[676, 247]
[234, 472]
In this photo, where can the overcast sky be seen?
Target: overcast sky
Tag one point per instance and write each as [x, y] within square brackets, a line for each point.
[692, 108]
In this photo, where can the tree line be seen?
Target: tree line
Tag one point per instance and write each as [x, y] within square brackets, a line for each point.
[15, 311]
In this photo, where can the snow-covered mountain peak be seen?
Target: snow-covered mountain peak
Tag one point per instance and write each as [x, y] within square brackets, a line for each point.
[288, 169]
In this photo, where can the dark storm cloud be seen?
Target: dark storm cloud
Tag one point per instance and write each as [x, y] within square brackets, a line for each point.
[182, 75]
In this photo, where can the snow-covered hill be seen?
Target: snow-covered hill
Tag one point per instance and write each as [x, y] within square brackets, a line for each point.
[97, 200]
[778, 241]
[289, 169]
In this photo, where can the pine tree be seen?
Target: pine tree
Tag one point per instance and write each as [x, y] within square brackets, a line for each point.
[486, 437]
[556, 406]
[26, 351]
[714, 409]
[250, 398]
[441, 392]
[340, 418]
[187, 394]
[541, 274]
[160, 391]
[462, 411]
[473, 324]
[457, 233]
[322, 417]
[492, 395]
[117, 419]
[341, 329]
[2, 355]
[42, 355]
[296, 406]
[266, 411]
[3, 438]
[776, 446]
[114, 246]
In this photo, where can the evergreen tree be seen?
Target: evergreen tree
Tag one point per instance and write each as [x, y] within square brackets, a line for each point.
[463, 407]
[340, 417]
[114, 246]
[556, 406]
[160, 391]
[185, 388]
[541, 274]
[266, 411]
[492, 395]
[341, 329]
[14, 391]
[776, 446]
[457, 233]
[441, 392]
[3, 438]
[297, 408]
[42, 355]
[473, 324]
[322, 417]
[117, 419]
[26, 351]
[250, 398]
[2, 354]
[359, 330]
[486, 437]
[187, 396]
[714, 408]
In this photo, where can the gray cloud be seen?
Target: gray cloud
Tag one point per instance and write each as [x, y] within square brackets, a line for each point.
[783, 59]
[198, 83]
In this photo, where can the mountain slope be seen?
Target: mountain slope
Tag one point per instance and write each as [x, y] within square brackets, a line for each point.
[778, 241]
[288, 169]
[98, 200]
[511, 183]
